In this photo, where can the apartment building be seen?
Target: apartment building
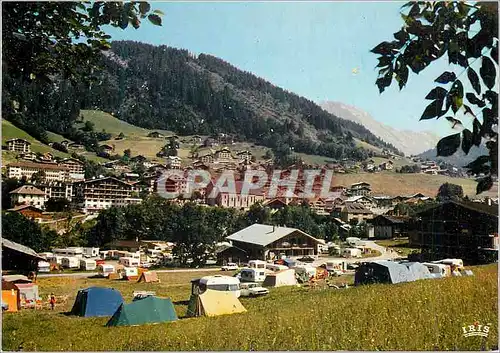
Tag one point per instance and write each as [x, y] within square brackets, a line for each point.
[57, 190]
[97, 194]
[235, 199]
[53, 172]
[28, 195]
[76, 168]
[18, 145]
[174, 162]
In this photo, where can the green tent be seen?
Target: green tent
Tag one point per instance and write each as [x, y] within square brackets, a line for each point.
[150, 310]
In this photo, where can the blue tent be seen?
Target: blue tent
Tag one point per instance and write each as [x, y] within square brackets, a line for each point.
[383, 272]
[97, 301]
[419, 270]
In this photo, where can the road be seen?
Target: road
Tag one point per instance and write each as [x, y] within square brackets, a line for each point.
[386, 255]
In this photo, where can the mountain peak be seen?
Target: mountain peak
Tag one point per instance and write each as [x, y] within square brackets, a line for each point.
[409, 142]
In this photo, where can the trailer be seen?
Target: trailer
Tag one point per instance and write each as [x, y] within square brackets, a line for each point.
[88, 264]
[70, 262]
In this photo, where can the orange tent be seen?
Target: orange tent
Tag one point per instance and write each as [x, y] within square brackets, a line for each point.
[11, 298]
[149, 276]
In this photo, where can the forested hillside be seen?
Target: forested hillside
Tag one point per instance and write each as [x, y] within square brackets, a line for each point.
[170, 89]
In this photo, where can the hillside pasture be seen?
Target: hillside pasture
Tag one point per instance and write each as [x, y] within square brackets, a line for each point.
[422, 315]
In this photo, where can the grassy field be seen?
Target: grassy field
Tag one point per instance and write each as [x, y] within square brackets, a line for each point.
[399, 245]
[394, 184]
[423, 315]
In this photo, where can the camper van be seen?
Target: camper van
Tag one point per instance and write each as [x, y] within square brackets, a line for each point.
[336, 267]
[351, 252]
[55, 259]
[129, 272]
[69, 252]
[457, 263]
[87, 264]
[105, 269]
[70, 262]
[259, 264]
[43, 266]
[220, 283]
[252, 275]
[352, 241]
[276, 268]
[90, 252]
[129, 262]
[441, 269]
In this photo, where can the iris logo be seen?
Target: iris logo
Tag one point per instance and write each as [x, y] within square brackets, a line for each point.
[476, 330]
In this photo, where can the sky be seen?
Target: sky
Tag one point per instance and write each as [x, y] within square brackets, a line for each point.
[309, 48]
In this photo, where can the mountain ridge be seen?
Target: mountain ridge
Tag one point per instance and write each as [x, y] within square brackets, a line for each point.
[409, 142]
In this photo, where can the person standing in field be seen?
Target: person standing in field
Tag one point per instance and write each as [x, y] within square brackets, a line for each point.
[52, 301]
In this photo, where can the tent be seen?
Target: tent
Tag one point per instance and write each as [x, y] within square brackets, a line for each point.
[148, 276]
[97, 301]
[11, 298]
[28, 294]
[382, 272]
[281, 278]
[418, 270]
[149, 310]
[214, 303]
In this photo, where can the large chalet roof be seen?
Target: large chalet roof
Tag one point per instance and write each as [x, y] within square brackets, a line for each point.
[24, 207]
[71, 159]
[88, 181]
[263, 234]
[19, 248]
[38, 165]
[356, 208]
[472, 206]
[28, 190]
[18, 139]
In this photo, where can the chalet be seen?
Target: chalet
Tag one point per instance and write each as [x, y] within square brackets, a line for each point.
[267, 242]
[366, 201]
[18, 258]
[206, 155]
[107, 148]
[19, 145]
[97, 194]
[156, 135]
[47, 157]
[231, 254]
[28, 156]
[174, 162]
[354, 211]
[65, 143]
[457, 229]
[28, 211]
[274, 204]
[51, 172]
[338, 188]
[210, 142]
[388, 165]
[244, 155]
[29, 195]
[235, 199]
[76, 147]
[382, 201]
[140, 159]
[388, 227]
[223, 155]
[360, 189]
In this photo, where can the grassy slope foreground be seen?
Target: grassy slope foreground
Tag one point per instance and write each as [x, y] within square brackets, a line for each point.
[423, 315]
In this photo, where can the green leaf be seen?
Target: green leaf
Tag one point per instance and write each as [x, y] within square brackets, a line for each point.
[433, 110]
[144, 7]
[476, 132]
[454, 122]
[159, 12]
[383, 48]
[384, 61]
[456, 95]
[446, 77]
[487, 72]
[437, 93]
[466, 140]
[403, 76]
[448, 145]
[474, 80]
[402, 35]
[479, 161]
[474, 100]
[484, 184]
[385, 81]
[155, 19]
[468, 110]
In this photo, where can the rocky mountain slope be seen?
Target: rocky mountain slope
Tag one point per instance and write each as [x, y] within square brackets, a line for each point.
[409, 142]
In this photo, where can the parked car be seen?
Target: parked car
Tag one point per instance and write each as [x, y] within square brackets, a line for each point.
[229, 267]
[252, 289]
[352, 266]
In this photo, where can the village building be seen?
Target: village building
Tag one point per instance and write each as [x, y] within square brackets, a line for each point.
[174, 162]
[266, 242]
[366, 201]
[28, 156]
[19, 145]
[174, 184]
[388, 227]
[76, 168]
[235, 199]
[457, 229]
[56, 190]
[97, 194]
[50, 172]
[387, 165]
[76, 147]
[223, 155]
[360, 189]
[156, 135]
[28, 211]
[206, 155]
[29, 195]
[352, 211]
[244, 155]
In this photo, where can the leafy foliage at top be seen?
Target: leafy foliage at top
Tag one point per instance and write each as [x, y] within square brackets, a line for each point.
[43, 39]
[468, 35]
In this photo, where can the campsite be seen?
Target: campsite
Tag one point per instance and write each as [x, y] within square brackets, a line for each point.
[426, 315]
